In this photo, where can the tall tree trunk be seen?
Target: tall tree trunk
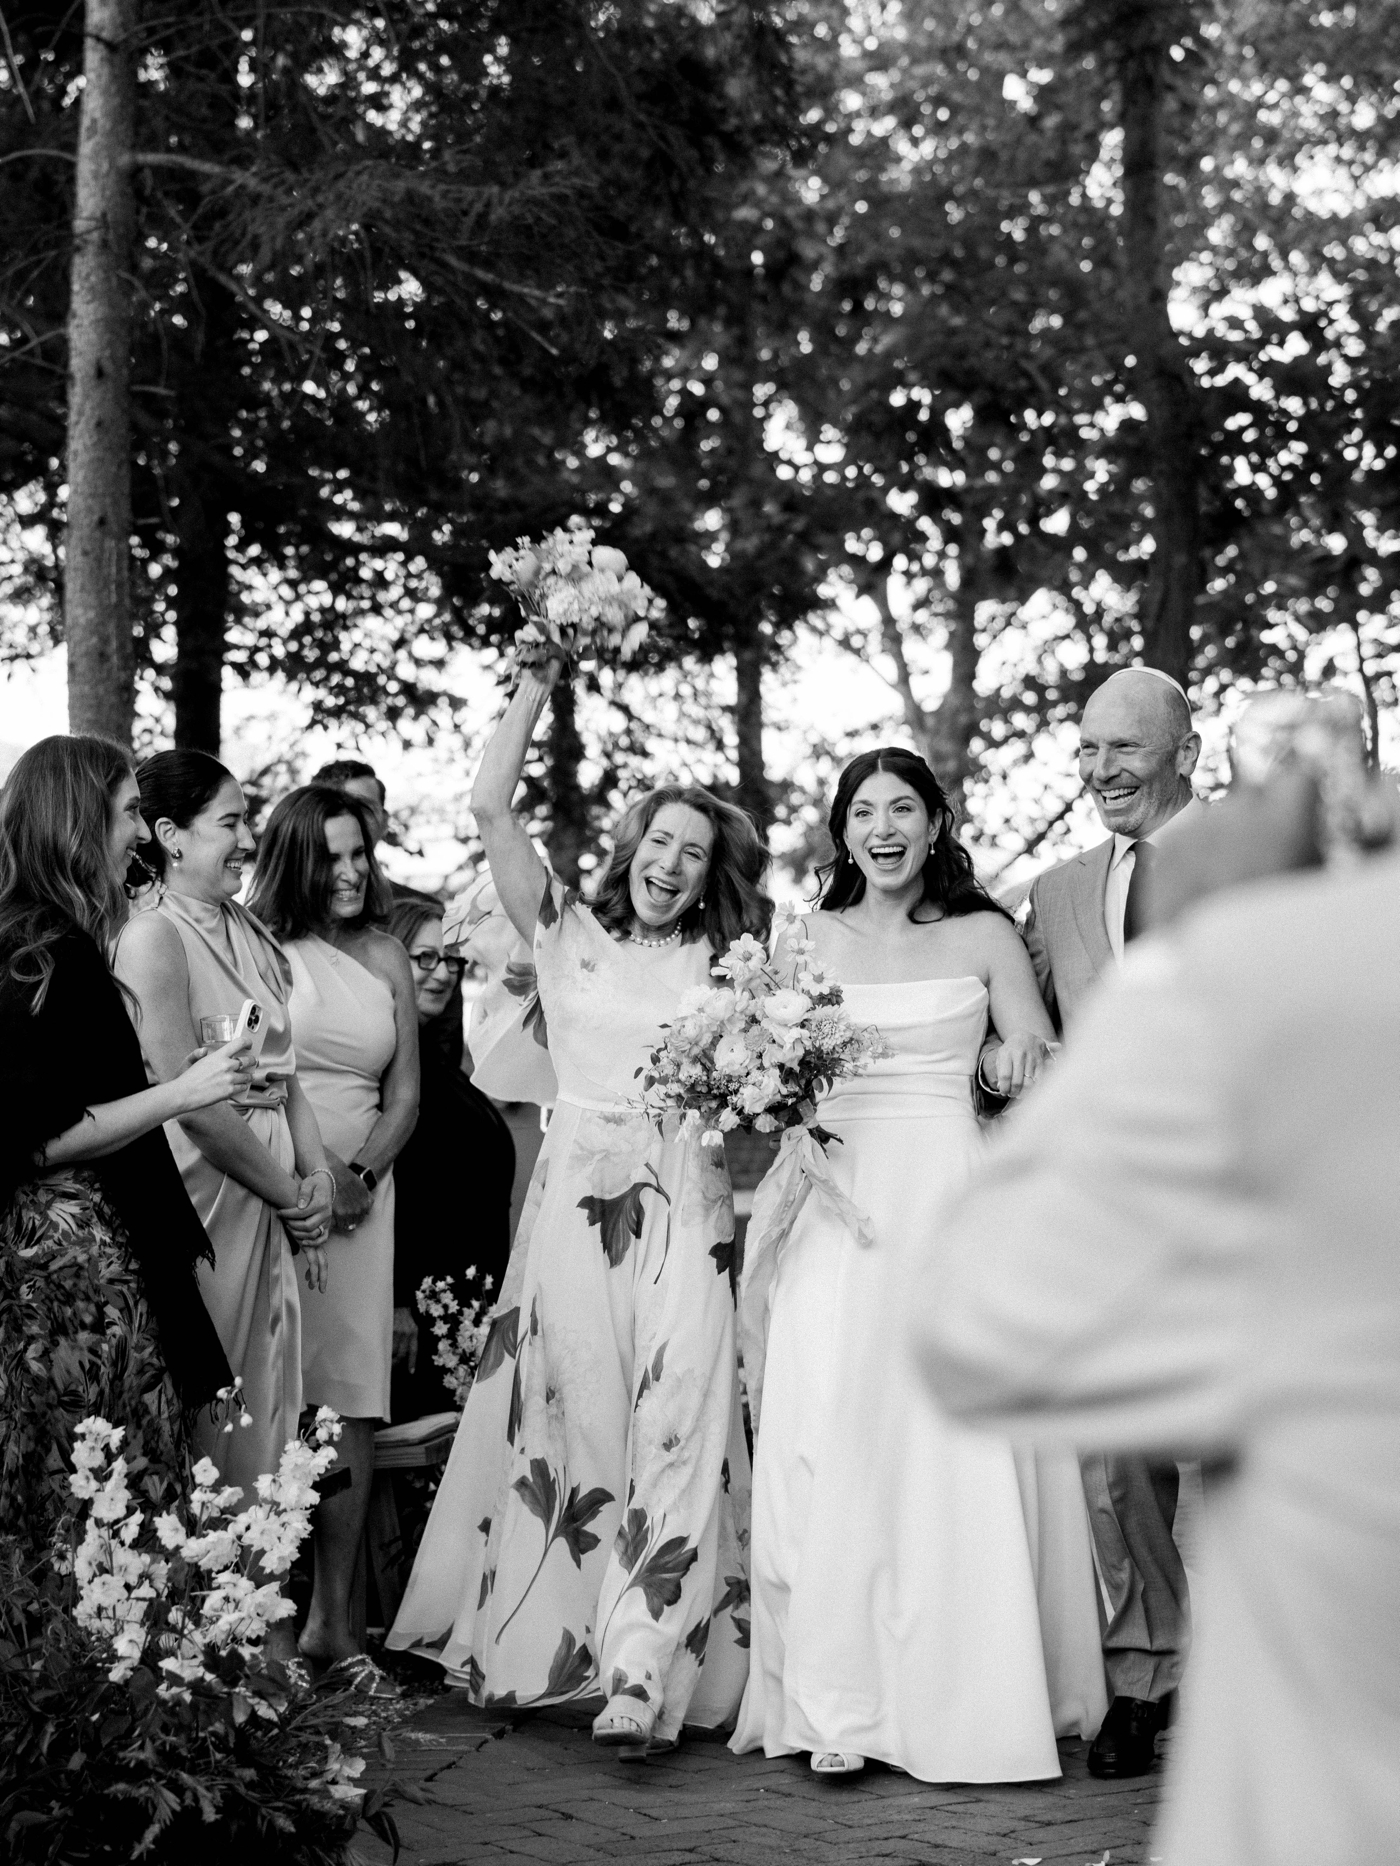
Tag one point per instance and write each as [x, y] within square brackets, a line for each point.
[201, 612]
[942, 737]
[1161, 376]
[568, 828]
[97, 560]
[753, 792]
[957, 716]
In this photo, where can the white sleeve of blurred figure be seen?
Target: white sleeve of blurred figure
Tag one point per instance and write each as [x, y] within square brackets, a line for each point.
[1090, 1286]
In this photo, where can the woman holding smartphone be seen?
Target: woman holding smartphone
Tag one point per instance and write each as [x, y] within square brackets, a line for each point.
[256, 1168]
[99, 1309]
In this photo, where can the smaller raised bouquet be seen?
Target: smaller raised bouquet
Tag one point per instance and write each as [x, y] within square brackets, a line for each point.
[757, 1053]
[579, 599]
[459, 1334]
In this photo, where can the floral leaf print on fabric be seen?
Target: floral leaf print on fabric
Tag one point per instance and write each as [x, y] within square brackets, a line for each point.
[696, 1641]
[631, 1539]
[579, 1511]
[660, 1571]
[729, 1261]
[662, 1575]
[619, 1220]
[522, 981]
[736, 1595]
[517, 1406]
[570, 1669]
[622, 1687]
[540, 1492]
[549, 913]
[502, 1343]
[476, 1678]
[651, 1374]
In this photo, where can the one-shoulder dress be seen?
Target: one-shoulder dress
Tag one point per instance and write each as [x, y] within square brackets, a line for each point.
[922, 1594]
[343, 1023]
[589, 1533]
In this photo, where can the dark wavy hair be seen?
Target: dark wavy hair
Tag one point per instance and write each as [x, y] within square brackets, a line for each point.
[733, 900]
[55, 873]
[177, 785]
[949, 880]
[294, 874]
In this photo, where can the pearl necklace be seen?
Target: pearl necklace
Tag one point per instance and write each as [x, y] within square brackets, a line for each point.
[669, 940]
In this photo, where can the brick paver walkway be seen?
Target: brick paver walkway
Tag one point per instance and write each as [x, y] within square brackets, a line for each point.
[539, 1790]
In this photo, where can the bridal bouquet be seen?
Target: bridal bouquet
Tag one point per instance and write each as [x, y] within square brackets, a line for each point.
[756, 1053]
[579, 598]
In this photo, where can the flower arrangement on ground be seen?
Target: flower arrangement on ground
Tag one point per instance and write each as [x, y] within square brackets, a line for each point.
[459, 1333]
[139, 1716]
[579, 599]
[759, 1051]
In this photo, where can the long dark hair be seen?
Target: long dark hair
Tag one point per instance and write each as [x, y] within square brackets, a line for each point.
[177, 785]
[55, 872]
[948, 877]
[733, 900]
[294, 874]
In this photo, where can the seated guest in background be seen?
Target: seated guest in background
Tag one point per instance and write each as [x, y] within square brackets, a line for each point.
[1137, 751]
[256, 1168]
[453, 1178]
[355, 1025]
[360, 781]
[97, 1235]
[1185, 1244]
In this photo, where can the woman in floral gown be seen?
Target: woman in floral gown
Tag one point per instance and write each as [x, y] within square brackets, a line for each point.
[590, 1529]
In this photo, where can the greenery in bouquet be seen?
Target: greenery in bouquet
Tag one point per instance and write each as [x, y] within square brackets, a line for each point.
[139, 1716]
[758, 1052]
[459, 1330]
[580, 599]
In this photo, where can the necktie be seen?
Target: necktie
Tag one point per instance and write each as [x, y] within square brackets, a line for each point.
[1139, 891]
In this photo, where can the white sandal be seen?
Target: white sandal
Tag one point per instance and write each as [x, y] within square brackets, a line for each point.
[836, 1762]
[625, 1723]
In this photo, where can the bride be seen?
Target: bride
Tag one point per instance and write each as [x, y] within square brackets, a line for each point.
[589, 1531]
[922, 1594]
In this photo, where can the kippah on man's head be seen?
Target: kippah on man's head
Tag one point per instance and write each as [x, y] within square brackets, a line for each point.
[1157, 674]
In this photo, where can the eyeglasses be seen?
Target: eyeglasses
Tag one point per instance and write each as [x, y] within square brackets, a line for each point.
[428, 961]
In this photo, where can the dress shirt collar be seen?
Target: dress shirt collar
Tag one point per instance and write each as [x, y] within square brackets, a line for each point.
[1185, 816]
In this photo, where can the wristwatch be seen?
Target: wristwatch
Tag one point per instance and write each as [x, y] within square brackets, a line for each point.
[368, 1178]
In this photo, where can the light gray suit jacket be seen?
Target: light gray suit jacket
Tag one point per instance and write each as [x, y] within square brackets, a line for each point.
[1065, 931]
[1188, 1241]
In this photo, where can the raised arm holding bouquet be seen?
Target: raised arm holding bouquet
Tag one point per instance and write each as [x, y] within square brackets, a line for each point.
[590, 1528]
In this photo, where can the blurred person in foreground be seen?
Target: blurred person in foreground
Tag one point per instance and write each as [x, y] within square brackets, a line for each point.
[1186, 1245]
[1137, 752]
[453, 1178]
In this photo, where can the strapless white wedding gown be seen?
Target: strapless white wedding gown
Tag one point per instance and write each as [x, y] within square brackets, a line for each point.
[921, 1593]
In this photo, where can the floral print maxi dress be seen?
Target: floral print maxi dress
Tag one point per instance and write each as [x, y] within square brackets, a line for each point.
[590, 1531]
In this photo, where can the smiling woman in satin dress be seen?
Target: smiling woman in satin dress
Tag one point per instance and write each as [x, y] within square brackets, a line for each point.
[355, 1026]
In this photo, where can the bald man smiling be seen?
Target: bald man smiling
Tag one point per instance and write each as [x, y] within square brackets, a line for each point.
[1137, 752]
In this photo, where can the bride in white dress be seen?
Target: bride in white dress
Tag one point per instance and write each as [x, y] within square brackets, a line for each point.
[922, 1594]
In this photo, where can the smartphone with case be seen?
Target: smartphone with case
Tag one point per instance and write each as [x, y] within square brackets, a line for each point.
[252, 1027]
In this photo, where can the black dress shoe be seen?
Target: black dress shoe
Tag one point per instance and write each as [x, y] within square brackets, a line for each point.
[1127, 1743]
